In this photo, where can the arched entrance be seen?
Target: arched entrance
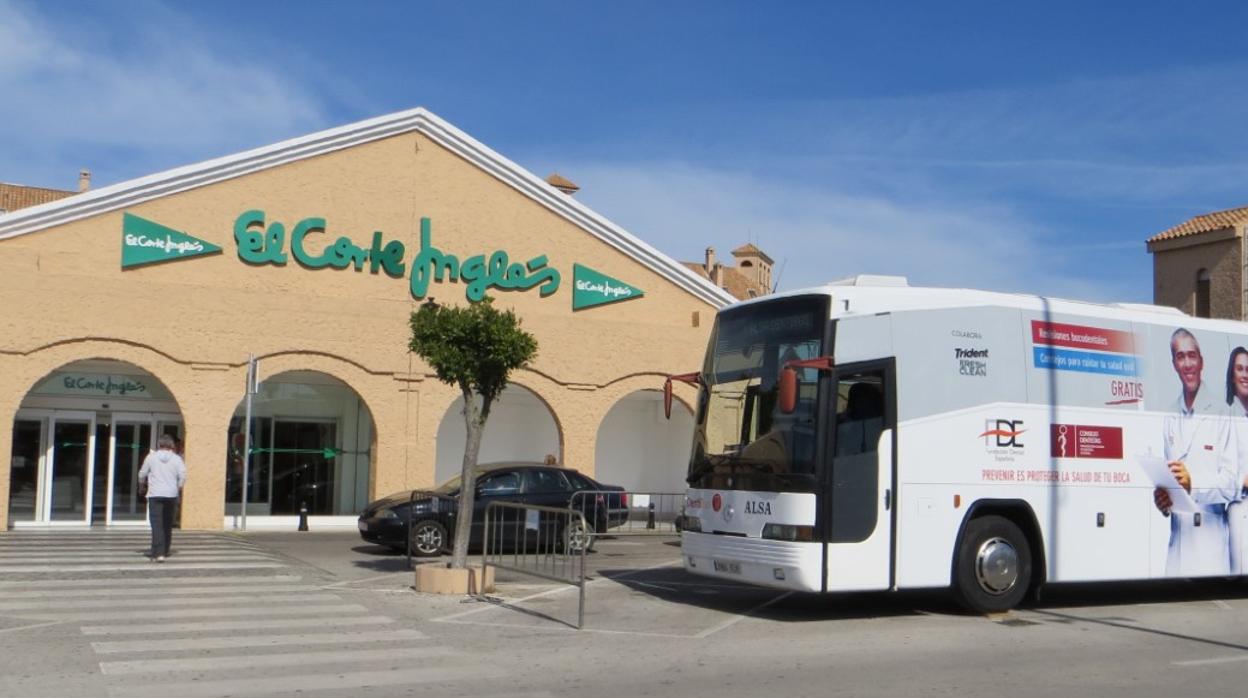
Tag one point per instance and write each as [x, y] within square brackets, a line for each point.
[639, 449]
[521, 428]
[79, 438]
[311, 445]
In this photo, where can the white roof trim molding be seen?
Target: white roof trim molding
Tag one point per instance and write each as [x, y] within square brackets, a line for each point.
[135, 191]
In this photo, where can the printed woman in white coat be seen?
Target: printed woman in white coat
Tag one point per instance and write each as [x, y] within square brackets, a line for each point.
[1237, 510]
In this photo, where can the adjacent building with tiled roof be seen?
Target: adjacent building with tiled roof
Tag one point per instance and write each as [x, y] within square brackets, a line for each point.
[1198, 265]
[749, 278]
[18, 196]
[15, 196]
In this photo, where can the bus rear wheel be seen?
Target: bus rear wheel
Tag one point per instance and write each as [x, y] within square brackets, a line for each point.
[993, 567]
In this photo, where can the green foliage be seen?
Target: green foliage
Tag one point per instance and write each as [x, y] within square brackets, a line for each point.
[474, 347]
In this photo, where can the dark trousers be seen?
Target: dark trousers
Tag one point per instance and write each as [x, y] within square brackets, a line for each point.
[161, 511]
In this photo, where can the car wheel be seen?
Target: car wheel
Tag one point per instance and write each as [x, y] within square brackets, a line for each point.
[427, 539]
[993, 567]
[575, 537]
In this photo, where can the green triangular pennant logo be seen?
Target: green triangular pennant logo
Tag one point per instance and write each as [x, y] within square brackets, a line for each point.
[147, 242]
[590, 288]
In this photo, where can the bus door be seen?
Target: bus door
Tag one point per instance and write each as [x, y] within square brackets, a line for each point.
[860, 491]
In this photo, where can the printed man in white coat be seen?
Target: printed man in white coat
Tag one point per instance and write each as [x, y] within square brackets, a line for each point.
[1200, 450]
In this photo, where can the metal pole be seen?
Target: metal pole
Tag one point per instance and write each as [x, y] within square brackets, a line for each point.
[251, 377]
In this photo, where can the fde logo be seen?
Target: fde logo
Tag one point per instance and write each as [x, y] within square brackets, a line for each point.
[1002, 433]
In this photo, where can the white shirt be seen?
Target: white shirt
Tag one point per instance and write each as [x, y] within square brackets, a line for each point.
[1202, 438]
[164, 472]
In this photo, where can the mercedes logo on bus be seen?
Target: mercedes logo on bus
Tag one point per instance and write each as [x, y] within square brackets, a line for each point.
[716, 502]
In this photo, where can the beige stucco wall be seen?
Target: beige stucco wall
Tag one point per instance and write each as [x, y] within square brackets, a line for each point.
[1175, 267]
[192, 323]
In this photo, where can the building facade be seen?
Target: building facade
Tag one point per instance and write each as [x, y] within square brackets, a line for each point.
[1199, 265]
[132, 311]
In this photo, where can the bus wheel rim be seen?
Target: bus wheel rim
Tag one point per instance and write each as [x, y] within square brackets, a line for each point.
[996, 566]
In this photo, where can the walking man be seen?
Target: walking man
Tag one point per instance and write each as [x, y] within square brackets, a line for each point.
[164, 473]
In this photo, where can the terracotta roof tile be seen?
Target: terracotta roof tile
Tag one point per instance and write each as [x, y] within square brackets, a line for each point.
[15, 196]
[1204, 223]
[562, 183]
[734, 282]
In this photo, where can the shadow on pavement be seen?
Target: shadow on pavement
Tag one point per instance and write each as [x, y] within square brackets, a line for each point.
[675, 585]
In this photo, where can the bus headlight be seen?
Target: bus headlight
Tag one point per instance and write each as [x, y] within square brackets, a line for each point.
[789, 533]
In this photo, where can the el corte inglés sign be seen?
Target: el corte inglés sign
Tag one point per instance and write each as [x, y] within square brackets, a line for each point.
[263, 242]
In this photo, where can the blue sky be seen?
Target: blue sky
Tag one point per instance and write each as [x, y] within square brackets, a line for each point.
[969, 144]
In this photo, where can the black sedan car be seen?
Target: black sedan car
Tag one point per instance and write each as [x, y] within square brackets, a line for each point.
[433, 513]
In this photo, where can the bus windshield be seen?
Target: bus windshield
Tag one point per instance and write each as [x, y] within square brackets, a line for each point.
[741, 440]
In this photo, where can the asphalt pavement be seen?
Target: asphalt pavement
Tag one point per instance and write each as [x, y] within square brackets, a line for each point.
[323, 613]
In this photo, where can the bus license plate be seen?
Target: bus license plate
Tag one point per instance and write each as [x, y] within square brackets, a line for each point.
[726, 566]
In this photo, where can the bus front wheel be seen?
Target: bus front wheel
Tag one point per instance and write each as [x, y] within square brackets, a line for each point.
[993, 566]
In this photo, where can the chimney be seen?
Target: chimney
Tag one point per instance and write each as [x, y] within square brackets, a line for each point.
[717, 275]
[710, 260]
[84, 180]
[561, 183]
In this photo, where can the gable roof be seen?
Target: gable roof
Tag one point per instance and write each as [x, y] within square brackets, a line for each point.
[420, 120]
[1204, 223]
[15, 196]
[749, 250]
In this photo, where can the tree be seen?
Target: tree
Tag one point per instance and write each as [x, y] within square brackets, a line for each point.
[475, 348]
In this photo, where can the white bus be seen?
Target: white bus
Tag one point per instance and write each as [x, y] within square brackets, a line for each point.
[867, 435]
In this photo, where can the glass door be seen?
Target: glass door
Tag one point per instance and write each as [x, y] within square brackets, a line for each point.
[67, 481]
[129, 444]
[303, 469]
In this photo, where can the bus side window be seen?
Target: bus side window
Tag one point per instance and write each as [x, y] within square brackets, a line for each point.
[859, 425]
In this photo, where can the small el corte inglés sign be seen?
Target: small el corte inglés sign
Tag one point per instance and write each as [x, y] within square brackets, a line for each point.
[592, 288]
[147, 242]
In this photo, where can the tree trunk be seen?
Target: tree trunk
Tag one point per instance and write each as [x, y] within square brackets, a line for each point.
[474, 419]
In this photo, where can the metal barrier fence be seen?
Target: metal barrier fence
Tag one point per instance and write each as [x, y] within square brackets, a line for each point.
[619, 513]
[545, 542]
[423, 537]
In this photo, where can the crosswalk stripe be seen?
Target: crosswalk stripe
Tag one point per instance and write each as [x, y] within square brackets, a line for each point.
[137, 545]
[172, 565]
[218, 625]
[157, 592]
[158, 666]
[134, 557]
[340, 683]
[55, 604]
[140, 559]
[216, 643]
[171, 613]
[146, 581]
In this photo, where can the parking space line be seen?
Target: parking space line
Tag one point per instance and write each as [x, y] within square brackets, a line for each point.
[567, 629]
[1216, 660]
[556, 590]
[741, 616]
[30, 627]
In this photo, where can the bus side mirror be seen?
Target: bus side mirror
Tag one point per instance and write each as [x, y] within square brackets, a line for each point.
[787, 398]
[690, 378]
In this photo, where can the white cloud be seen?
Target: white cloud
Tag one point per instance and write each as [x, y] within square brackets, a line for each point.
[160, 92]
[821, 234]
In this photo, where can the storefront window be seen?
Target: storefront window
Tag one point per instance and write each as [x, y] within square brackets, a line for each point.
[311, 441]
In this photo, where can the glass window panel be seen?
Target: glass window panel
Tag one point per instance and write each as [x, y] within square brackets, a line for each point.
[27, 450]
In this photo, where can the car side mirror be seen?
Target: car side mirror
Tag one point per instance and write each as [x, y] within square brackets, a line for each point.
[786, 400]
